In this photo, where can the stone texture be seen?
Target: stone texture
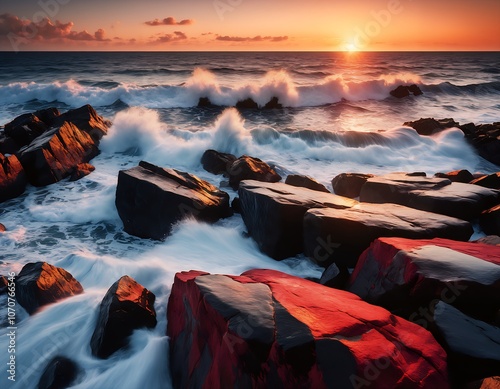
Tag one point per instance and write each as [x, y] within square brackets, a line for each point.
[305, 182]
[349, 184]
[12, 178]
[250, 168]
[216, 162]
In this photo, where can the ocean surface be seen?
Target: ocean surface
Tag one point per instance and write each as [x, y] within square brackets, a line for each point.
[338, 116]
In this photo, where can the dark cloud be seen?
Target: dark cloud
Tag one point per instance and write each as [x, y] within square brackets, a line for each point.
[257, 38]
[167, 38]
[170, 21]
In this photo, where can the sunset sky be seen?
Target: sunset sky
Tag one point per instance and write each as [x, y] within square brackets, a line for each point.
[249, 25]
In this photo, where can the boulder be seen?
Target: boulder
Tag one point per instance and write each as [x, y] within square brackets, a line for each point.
[151, 199]
[87, 120]
[484, 138]
[274, 213]
[341, 235]
[415, 89]
[349, 184]
[81, 170]
[39, 284]
[405, 91]
[487, 383]
[274, 103]
[216, 162]
[429, 126]
[204, 102]
[491, 181]
[247, 104]
[463, 176]
[126, 306]
[490, 221]
[305, 182]
[266, 329]
[438, 195]
[407, 276]
[60, 373]
[249, 168]
[7, 144]
[12, 178]
[55, 154]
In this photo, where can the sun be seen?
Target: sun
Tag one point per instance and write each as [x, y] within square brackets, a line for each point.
[351, 47]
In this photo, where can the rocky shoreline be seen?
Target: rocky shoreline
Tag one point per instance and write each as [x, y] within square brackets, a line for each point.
[406, 300]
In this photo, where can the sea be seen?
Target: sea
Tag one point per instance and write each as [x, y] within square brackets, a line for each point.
[337, 116]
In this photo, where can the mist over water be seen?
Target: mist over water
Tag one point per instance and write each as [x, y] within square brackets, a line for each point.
[338, 117]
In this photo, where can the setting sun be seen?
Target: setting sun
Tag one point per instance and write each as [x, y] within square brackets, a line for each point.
[351, 47]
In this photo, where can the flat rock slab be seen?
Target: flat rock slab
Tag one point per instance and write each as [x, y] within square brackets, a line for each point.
[341, 235]
[151, 199]
[274, 212]
[404, 274]
[269, 329]
[438, 195]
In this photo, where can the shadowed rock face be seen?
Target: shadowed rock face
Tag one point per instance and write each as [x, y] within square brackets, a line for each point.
[341, 235]
[274, 213]
[491, 181]
[268, 329]
[429, 126]
[126, 306]
[305, 182]
[60, 373]
[490, 221]
[150, 200]
[40, 284]
[216, 162]
[438, 195]
[12, 178]
[349, 184]
[463, 176]
[249, 168]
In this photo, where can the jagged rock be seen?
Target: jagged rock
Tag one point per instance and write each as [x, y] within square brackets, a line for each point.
[12, 178]
[341, 235]
[408, 275]
[126, 306]
[463, 176]
[484, 138]
[490, 221]
[250, 168]
[405, 91]
[81, 170]
[216, 162]
[274, 213]
[247, 104]
[150, 200]
[25, 128]
[266, 329]
[204, 102]
[349, 184]
[305, 182]
[273, 104]
[429, 126]
[491, 181]
[39, 284]
[87, 120]
[438, 195]
[60, 373]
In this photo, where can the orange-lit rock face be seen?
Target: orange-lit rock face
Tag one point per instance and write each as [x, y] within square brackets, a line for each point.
[12, 178]
[129, 290]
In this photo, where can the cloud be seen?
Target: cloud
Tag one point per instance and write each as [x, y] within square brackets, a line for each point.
[170, 21]
[46, 30]
[257, 38]
[176, 36]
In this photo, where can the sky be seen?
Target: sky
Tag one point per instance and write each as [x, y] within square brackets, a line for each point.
[193, 25]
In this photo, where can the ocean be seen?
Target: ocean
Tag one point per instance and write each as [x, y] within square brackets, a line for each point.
[338, 116]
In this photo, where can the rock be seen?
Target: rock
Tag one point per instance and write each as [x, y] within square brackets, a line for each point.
[12, 178]
[87, 120]
[463, 176]
[39, 284]
[415, 90]
[216, 162]
[236, 205]
[335, 276]
[305, 182]
[485, 139]
[492, 181]
[4, 282]
[487, 383]
[2, 228]
[150, 200]
[493, 240]
[81, 170]
[273, 104]
[490, 221]
[341, 235]
[266, 329]
[204, 102]
[408, 275]
[429, 126]
[438, 195]
[126, 306]
[8, 145]
[473, 347]
[404, 91]
[25, 128]
[60, 373]
[274, 213]
[247, 104]
[250, 168]
[54, 155]
[349, 184]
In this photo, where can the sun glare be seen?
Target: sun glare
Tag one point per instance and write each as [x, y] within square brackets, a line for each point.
[351, 47]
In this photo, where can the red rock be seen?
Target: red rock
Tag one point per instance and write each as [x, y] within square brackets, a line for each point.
[268, 329]
[12, 178]
[463, 176]
[250, 168]
[39, 284]
[81, 170]
[349, 184]
[2, 228]
[126, 306]
[305, 182]
[403, 274]
[87, 120]
[487, 383]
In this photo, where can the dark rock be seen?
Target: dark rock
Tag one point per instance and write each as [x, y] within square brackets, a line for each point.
[247, 104]
[273, 104]
[216, 162]
[490, 221]
[485, 139]
[236, 205]
[60, 373]
[150, 200]
[405, 91]
[274, 212]
[406, 276]
[266, 329]
[126, 306]
[335, 276]
[415, 90]
[249, 168]
[429, 126]
[349, 184]
[25, 128]
[463, 176]
[81, 170]
[8, 145]
[204, 102]
[39, 284]
[305, 182]
[87, 120]
[12, 178]
[438, 195]
[341, 235]
[492, 181]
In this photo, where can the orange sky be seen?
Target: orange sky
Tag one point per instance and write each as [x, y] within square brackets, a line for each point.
[249, 25]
